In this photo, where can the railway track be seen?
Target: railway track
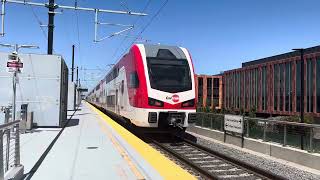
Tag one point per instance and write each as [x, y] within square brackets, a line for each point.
[207, 164]
[202, 162]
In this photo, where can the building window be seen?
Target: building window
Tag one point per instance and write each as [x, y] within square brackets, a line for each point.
[298, 85]
[209, 91]
[256, 87]
[318, 84]
[281, 86]
[234, 95]
[244, 81]
[275, 86]
[264, 88]
[251, 89]
[226, 95]
[200, 91]
[238, 90]
[229, 91]
[242, 96]
[288, 91]
[216, 92]
[309, 89]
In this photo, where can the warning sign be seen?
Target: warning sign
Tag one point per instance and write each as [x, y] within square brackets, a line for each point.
[14, 66]
[233, 123]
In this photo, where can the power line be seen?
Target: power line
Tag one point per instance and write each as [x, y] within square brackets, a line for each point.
[51, 12]
[147, 25]
[125, 37]
[78, 34]
[40, 24]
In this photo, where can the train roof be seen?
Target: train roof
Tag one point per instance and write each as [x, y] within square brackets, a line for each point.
[164, 51]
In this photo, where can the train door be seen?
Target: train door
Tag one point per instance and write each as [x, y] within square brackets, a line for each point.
[117, 103]
[122, 98]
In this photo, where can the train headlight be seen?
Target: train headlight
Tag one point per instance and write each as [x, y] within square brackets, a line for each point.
[152, 117]
[154, 102]
[189, 103]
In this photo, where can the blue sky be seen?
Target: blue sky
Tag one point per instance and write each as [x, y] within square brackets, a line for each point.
[219, 34]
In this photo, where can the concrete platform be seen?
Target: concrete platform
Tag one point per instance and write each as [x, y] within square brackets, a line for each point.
[92, 146]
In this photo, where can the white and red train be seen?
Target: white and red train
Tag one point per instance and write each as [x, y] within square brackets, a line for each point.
[152, 86]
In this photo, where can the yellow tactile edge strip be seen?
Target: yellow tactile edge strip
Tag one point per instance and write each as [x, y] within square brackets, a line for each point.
[122, 152]
[166, 168]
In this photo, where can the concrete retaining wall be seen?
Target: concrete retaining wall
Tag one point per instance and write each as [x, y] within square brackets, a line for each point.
[298, 156]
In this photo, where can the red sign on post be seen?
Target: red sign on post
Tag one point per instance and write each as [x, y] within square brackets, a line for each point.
[14, 65]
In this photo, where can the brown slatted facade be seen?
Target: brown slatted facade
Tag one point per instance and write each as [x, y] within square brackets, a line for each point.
[209, 94]
[271, 86]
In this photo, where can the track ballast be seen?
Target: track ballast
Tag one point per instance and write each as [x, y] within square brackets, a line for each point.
[205, 163]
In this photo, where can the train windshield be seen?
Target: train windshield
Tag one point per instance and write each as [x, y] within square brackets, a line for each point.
[169, 75]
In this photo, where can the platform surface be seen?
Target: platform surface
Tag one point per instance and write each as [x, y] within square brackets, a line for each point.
[83, 151]
[90, 148]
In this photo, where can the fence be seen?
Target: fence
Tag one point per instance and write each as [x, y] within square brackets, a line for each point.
[9, 147]
[297, 135]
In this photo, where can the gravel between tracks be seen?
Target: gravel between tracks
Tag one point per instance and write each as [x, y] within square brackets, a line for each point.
[262, 162]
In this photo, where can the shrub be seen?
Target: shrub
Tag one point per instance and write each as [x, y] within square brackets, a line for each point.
[214, 110]
[308, 118]
[242, 112]
[252, 112]
[294, 118]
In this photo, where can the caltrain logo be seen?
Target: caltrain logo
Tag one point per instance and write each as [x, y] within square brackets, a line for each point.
[175, 98]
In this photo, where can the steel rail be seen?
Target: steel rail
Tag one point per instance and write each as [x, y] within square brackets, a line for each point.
[254, 169]
[185, 160]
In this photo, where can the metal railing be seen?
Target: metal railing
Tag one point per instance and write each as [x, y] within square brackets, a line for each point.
[270, 130]
[9, 147]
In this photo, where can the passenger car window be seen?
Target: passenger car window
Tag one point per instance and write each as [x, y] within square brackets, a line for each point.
[122, 86]
[134, 80]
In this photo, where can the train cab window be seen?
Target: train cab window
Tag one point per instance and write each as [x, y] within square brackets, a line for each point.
[169, 75]
[122, 86]
[134, 80]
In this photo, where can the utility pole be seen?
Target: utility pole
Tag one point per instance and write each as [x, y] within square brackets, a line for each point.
[51, 8]
[72, 66]
[16, 62]
[301, 50]
[77, 75]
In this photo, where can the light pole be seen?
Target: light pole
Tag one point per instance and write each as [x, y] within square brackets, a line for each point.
[301, 50]
[15, 57]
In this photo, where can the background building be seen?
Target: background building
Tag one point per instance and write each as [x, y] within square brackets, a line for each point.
[209, 91]
[272, 85]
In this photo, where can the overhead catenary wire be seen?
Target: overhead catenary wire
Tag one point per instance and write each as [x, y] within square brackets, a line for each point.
[127, 35]
[78, 37]
[41, 25]
[100, 75]
[146, 26]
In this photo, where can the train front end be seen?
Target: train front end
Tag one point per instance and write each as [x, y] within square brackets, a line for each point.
[170, 87]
